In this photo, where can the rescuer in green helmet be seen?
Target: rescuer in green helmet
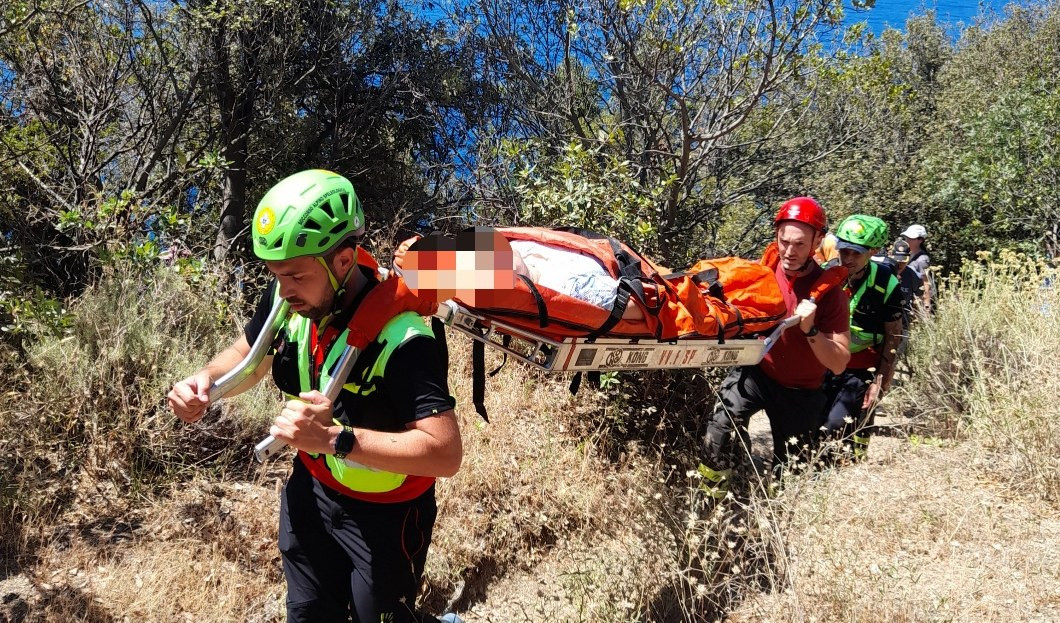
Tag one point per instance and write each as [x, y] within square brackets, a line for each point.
[357, 512]
[876, 311]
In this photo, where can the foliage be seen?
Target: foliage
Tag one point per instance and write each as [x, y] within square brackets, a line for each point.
[990, 168]
[589, 189]
[90, 411]
[670, 90]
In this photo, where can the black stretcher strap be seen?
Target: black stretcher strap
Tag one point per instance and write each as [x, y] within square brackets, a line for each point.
[619, 308]
[478, 378]
[542, 309]
[592, 376]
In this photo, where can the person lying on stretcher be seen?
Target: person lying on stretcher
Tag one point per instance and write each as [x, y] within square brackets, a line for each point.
[442, 273]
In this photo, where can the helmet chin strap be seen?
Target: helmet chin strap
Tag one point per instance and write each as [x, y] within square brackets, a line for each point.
[339, 288]
[802, 268]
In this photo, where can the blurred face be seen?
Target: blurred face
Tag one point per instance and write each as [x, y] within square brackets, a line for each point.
[914, 244]
[853, 261]
[305, 285]
[475, 262]
[797, 242]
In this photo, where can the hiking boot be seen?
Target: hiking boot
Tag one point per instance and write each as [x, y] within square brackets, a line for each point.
[715, 483]
[861, 447]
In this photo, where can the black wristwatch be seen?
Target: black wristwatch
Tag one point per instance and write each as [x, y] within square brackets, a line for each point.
[812, 332]
[344, 442]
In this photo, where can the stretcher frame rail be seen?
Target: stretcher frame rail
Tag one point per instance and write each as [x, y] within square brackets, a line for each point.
[607, 353]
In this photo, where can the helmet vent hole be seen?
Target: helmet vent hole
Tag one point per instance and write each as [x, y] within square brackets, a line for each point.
[328, 208]
[300, 240]
[311, 225]
[324, 242]
[338, 229]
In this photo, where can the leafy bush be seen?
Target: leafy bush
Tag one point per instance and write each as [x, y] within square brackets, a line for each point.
[91, 409]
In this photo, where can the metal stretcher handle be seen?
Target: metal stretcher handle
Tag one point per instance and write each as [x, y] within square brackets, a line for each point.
[774, 337]
[270, 446]
[224, 385]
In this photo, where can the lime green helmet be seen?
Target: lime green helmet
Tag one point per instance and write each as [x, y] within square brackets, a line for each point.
[306, 215]
[861, 233]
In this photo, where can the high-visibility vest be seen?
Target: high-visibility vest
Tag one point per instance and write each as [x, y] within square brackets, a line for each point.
[878, 285]
[398, 330]
[388, 314]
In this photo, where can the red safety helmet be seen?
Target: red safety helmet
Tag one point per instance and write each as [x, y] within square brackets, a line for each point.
[804, 210]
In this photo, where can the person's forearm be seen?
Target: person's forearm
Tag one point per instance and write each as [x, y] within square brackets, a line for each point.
[889, 355]
[414, 451]
[224, 362]
[832, 354]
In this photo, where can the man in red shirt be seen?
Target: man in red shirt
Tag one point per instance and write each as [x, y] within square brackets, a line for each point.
[787, 384]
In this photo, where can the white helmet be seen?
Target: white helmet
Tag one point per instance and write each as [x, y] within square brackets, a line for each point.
[915, 231]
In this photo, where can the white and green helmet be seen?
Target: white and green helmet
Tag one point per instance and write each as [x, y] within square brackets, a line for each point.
[306, 215]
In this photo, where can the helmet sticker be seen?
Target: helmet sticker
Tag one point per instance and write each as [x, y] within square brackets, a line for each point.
[266, 221]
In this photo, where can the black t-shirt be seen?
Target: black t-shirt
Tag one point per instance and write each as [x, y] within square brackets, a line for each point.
[874, 309]
[413, 386]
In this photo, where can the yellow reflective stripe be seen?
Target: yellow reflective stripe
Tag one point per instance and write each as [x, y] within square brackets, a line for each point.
[363, 479]
[714, 475]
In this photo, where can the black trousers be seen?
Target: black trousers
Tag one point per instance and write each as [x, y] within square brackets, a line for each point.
[845, 394]
[346, 558]
[794, 414]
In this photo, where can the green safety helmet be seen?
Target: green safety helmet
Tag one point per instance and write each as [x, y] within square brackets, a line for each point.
[306, 215]
[861, 233]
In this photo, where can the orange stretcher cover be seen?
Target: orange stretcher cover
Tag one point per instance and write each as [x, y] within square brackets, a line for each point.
[716, 298]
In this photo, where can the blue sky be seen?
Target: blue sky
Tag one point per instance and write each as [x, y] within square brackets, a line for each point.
[894, 13]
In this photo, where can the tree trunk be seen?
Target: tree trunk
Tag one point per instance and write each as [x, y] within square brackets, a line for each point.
[236, 104]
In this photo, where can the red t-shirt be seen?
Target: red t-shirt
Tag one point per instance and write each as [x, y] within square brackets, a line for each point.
[791, 361]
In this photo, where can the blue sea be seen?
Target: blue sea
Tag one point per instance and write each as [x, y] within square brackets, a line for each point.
[953, 14]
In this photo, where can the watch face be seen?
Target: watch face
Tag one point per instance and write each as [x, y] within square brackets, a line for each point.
[344, 442]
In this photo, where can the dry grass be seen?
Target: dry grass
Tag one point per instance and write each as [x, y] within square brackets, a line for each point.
[918, 533]
[537, 487]
[205, 553]
[984, 369]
